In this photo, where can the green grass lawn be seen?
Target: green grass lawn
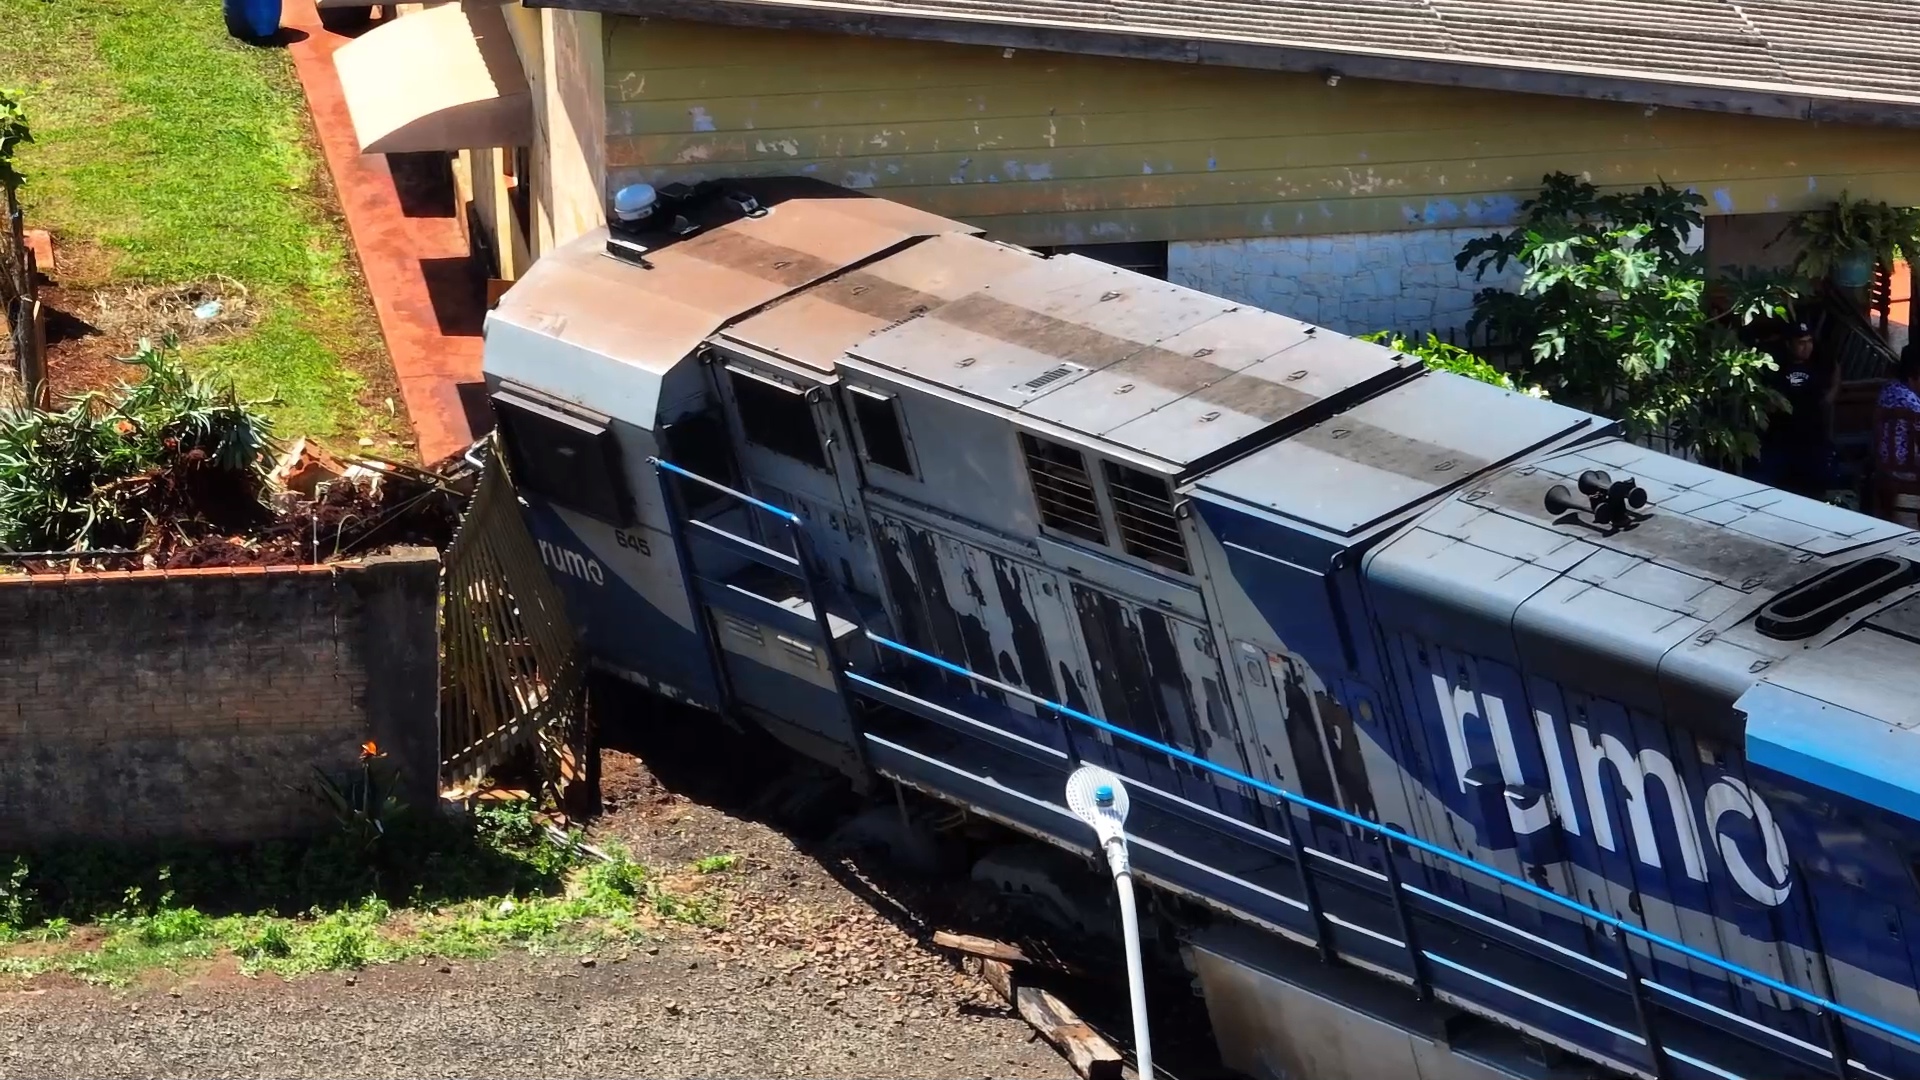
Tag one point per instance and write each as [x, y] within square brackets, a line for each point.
[166, 153]
[426, 889]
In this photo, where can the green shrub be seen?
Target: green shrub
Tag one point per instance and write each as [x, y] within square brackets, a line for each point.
[16, 902]
[1442, 356]
[1614, 312]
[173, 926]
[100, 472]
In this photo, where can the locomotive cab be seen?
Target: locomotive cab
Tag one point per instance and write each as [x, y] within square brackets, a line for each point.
[675, 435]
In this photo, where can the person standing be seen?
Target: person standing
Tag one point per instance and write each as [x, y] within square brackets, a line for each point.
[1796, 450]
[1896, 443]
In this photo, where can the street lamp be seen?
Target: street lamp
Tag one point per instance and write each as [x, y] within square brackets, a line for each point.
[1098, 798]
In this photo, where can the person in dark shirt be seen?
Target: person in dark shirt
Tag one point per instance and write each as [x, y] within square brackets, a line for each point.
[1796, 450]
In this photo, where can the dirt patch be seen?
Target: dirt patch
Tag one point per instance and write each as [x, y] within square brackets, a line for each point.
[195, 311]
[80, 357]
[88, 328]
[84, 937]
[87, 332]
[667, 1010]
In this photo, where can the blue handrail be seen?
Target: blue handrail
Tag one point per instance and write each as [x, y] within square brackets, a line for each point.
[1414, 842]
[788, 516]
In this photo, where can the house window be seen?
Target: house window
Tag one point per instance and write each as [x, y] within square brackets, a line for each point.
[1062, 490]
[570, 460]
[883, 439]
[1149, 258]
[1143, 515]
[777, 417]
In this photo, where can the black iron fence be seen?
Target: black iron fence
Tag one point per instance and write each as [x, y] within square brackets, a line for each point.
[26, 347]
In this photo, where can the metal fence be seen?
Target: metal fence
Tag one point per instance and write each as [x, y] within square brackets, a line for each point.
[512, 678]
[25, 379]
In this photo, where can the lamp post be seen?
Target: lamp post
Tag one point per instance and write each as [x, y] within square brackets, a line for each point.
[1098, 798]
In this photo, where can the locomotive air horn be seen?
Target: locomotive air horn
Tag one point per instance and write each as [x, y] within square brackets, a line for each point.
[1562, 501]
[1610, 502]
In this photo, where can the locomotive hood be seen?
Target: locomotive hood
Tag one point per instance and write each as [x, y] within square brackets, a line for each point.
[1767, 621]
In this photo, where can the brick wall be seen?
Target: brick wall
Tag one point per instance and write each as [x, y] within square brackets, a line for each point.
[1354, 283]
[194, 705]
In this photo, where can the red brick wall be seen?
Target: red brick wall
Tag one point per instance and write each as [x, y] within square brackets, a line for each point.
[195, 704]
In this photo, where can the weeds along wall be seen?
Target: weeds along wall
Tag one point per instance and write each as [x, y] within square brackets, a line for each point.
[196, 705]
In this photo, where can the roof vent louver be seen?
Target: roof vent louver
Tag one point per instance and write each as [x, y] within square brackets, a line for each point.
[1047, 378]
[1819, 602]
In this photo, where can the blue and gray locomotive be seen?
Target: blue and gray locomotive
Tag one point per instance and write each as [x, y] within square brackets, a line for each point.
[1449, 684]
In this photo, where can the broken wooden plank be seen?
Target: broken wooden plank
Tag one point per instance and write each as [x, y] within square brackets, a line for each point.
[1092, 1057]
[985, 948]
[999, 976]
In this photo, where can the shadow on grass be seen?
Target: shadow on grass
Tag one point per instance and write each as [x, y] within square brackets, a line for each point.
[424, 863]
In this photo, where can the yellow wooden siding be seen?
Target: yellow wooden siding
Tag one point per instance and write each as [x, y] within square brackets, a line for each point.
[1046, 148]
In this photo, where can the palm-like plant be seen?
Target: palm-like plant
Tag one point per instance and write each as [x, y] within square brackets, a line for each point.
[1851, 230]
[95, 474]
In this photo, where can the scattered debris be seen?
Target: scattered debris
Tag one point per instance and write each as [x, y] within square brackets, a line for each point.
[985, 948]
[174, 473]
[304, 466]
[1093, 1057]
[194, 311]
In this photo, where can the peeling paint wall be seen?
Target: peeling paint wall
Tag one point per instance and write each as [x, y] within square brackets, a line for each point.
[1043, 148]
[1354, 283]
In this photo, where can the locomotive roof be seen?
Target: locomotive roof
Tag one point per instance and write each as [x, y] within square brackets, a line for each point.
[583, 306]
[1119, 357]
[1075, 346]
[1675, 594]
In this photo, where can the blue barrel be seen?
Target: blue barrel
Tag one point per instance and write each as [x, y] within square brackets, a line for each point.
[253, 20]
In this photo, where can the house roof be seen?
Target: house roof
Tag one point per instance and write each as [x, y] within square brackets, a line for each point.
[1838, 60]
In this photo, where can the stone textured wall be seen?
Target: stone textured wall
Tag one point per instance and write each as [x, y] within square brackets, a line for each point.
[1354, 283]
[195, 705]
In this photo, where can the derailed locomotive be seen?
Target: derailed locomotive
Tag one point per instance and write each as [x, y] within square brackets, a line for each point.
[1450, 684]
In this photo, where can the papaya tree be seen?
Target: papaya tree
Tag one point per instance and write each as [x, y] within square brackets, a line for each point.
[1614, 314]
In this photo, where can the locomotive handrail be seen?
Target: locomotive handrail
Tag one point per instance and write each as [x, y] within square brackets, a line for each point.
[788, 516]
[800, 565]
[1388, 833]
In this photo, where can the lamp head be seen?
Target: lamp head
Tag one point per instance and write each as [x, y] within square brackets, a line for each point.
[1099, 798]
